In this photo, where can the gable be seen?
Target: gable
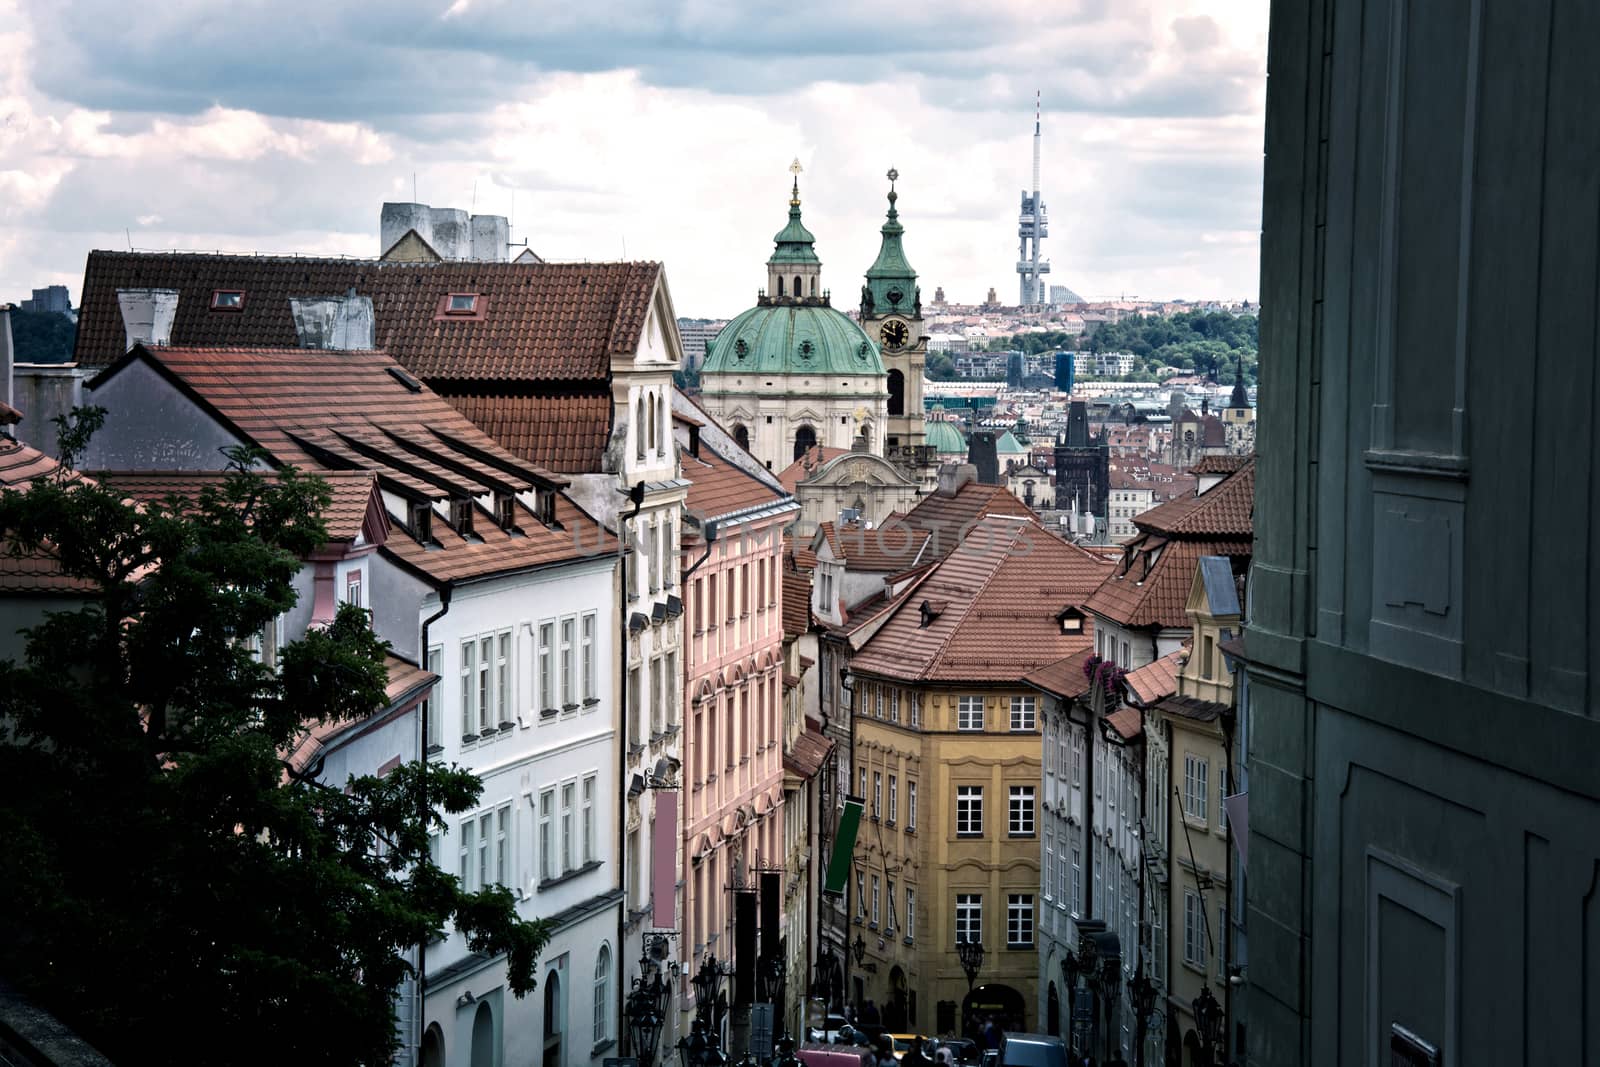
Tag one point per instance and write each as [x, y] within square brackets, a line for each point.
[152, 424]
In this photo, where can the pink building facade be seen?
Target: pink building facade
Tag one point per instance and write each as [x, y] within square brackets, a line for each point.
[733, 775]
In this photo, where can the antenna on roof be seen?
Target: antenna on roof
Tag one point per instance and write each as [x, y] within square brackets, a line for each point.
[130, 237]
[413, 187]
[474, 196]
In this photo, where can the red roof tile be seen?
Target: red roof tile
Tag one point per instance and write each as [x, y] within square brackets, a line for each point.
[540, 321]
[720, 488]
[1127, 722]
[1222, 511]
[808, 753]
[1220, 464]
[1064, 677]
[890, 548]
[1000, 596]
[354, 493]
[36, 572]
[809, 461]
[796, 603]
[406, 683]
[563, 433]
[1156, 680]
[949, 518]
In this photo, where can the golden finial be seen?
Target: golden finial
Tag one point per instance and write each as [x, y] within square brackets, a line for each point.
[795, 168]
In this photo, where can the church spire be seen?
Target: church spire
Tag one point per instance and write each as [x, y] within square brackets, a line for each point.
[1240, 399]
[891, 281]
[794, 271]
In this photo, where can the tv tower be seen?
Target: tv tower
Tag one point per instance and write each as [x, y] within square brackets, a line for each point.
[1032, 227]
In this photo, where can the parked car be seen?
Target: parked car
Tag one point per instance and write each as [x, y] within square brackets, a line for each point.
[963, 1050]
[828, 1032]
[902, 1044]
[1032, 1050]
[833, 1056]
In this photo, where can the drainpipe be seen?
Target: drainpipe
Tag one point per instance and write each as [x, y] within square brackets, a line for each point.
[422, 946]
[1227, 723]
[635, 496]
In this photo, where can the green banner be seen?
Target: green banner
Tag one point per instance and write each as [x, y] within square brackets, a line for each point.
[844, 846]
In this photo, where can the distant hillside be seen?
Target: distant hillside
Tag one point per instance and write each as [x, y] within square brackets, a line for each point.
[42, 336]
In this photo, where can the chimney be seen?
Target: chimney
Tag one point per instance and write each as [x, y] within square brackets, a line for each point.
[452, 232]
[395, 220]
[952, 476]
[147, 315]
[333, 322]
[981, 454]
[8, 357]
[491, 238]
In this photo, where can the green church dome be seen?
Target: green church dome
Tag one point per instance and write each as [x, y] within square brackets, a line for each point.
[791, 338]
[945, 438]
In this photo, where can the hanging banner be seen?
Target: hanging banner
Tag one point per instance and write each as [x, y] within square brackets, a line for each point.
[1238, 809]
[664, 861]
[844, 846]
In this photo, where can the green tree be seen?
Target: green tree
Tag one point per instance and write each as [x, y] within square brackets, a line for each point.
[173, 890]
[42, 336]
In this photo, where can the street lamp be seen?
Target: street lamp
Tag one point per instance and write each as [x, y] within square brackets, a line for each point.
[859, 947]
[644, 1025]
[1142, 995]
[1208, 1022]
[971, 956]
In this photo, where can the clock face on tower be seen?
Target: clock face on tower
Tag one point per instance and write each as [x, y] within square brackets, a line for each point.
[893, 334]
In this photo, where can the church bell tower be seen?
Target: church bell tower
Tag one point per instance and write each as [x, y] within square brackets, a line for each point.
[891, 313]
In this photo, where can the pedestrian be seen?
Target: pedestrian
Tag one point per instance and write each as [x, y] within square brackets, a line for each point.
[914, 1056]
[944, 1056]
[991, 1034]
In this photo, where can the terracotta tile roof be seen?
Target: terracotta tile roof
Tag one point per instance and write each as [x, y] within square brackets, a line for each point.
[1222, 511]
[945, 517]
[354, 493]
[810, 750]
[1156, 680]
[1127, 722]
[346, 410]
[1064, 677]
[566, 433]
[1220, 464]
[1157, 596]
[1000, 597]
[796, 602]
[720, 488]
[540, 321]
[809, 461]
[406, 683]
[890, 548]
[33, 572]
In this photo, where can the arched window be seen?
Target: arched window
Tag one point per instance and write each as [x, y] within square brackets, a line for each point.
[602, 994]
[652, 417]
[483, 1036]
[897, 392]
[813, 285]
[666, 424]
[555, 1019]
[638, 429]
[799, 290]
[780, 285]
[804, 438]
[433, 1047]
[741, 434]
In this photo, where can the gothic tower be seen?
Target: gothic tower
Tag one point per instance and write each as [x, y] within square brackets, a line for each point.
[891, 312]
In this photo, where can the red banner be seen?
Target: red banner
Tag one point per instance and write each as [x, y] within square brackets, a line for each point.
[664, 857]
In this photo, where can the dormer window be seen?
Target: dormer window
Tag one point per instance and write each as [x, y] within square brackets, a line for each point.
[505, 510]
[422, 521]
[462, 304]
[1071, 620]
[544, 506]
[227, 300]
[461, 516]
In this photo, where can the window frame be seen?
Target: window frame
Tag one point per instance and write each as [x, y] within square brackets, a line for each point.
[964, 708]
[1024, 714]
[1022, 811]
[969, 918]
[1021, 920]
[969, 811]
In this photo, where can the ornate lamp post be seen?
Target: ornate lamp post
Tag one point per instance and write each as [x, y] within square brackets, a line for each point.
[822, 986]
[772, 973]
[1109, 987]
[646, 1008]
[971, 956]
[1208, 1023]
[1142, 995]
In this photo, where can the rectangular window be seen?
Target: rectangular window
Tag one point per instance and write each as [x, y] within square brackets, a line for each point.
[1067, 888]
[547, 666]
[969, 917]
[969, 811]
[863, 790]
[486, 719]
[1019, 920]
[888, 927]
[462, 303]
[911, 914]
[468, 651]
[502, 845]
[589, 688]
[875, 888]
[588, 819]
[969, 713]
[658, 699]
[568, 792]
[894, 798]
[877, 794]
[1196, 776]
[1022, 713]
[861, 895]
[502, 676]
[894, 705]
[916, 709]
[911, 805]
[352, 589]
[547, 845]
[1020, 811]
[227, 300]
[877, 701]
[465, 873]
[1194, 930]
[430, 707]
[486, 873]
[672, 690]
[568, 681]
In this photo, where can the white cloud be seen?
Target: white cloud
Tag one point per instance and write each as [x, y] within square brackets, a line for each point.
[1151, 153]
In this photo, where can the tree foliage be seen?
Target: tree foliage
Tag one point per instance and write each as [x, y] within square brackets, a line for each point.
[42, 336]
[173, 890]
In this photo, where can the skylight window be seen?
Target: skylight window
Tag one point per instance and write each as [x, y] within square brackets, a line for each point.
[227, 300]
[462, 304]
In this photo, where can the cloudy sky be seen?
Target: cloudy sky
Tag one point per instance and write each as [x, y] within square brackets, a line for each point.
[645, 129]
